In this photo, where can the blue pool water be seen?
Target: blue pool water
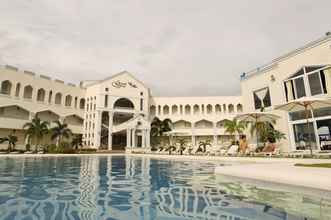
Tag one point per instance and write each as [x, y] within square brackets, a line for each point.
[118, 187]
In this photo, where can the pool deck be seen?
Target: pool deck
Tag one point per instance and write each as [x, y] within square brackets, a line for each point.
[275, 170]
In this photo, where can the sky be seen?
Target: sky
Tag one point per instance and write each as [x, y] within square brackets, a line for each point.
[176, 47]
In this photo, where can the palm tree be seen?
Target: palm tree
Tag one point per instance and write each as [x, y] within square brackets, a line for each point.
[234, 126]
[36, 129]
[159, 127]
[77, 141]
[60, 131]
[11, 139]
[261, 129]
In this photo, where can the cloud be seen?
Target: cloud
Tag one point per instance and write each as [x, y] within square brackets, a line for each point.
[177, 47]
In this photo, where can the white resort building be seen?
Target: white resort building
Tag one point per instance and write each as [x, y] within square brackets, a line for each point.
[113, 113]
[116, 112]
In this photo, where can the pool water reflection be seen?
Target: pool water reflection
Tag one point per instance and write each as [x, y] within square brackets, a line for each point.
[100, 187]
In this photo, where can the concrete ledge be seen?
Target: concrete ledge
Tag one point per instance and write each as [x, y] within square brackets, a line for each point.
[284, 173]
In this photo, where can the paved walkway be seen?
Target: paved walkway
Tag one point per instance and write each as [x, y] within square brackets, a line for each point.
[281, 172]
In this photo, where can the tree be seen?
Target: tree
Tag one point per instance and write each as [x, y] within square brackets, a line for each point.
[158, 128]
[11, 139]
[271, 134]
[234, 126]
[261, 129]
[36, 129]
[77, 141]
[60, 131]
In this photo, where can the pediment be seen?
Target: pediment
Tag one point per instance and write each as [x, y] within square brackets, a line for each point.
[124, 80]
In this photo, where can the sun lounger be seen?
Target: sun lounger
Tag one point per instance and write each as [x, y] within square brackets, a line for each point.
[233, 150]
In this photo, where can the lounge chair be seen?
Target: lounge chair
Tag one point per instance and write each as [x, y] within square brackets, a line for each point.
[270, 150]
[251, 149]
[188, 150]
[233, 150]
[323, 153]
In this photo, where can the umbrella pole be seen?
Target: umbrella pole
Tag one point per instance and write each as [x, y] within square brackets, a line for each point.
[257, 134]
[308, 128]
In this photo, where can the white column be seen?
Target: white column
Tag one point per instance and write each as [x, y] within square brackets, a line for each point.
[215, 140]
[128, 138]
[110, 133]
[148, 138]
[215, 134]
[31, 115]
[133, 138]
[193, 135]
[97, 129]
[143, 138]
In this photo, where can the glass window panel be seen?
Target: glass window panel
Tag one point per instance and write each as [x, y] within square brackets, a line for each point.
[304, 136]
[315, 83]
[313, 68]
[257, 102]
[299, 115]
[321, 112]
[324, 133]
[300, 87]
[267, 100]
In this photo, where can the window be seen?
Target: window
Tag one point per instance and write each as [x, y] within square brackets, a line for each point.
[262, 98]
[106, 89]
[106, 101]
[141, 104]
[299, 115]
[300, 87]
[315, 83]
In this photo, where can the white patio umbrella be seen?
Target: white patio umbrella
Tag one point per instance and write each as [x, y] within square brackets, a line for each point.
[306, 104]
[257, 117]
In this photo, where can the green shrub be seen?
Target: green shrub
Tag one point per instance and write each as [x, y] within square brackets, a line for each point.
[51, 149]
[28, 147]
[88, 150]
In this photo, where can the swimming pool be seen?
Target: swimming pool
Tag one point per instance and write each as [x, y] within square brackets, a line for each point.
[119, 187]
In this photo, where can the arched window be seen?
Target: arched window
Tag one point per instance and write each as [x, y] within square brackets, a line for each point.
[187, 109]
[18, 89]
[196, 109]
[152, 110]
[218, 109]
[203, 124]
[68, 100]
[239, 108]
[50, 97]
[231, 108]
[58, 98]
[123, 103]
[166, 110]
[209, 109]
[82, 103]
[6, 87]
[182, 124]
[174, 109]
[41, 95]
[76, 101]
[28, 92]
[159, 110]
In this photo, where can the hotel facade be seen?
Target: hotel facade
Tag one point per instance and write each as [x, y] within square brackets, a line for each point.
[305, 71]
[112, 114]
[116, 112]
